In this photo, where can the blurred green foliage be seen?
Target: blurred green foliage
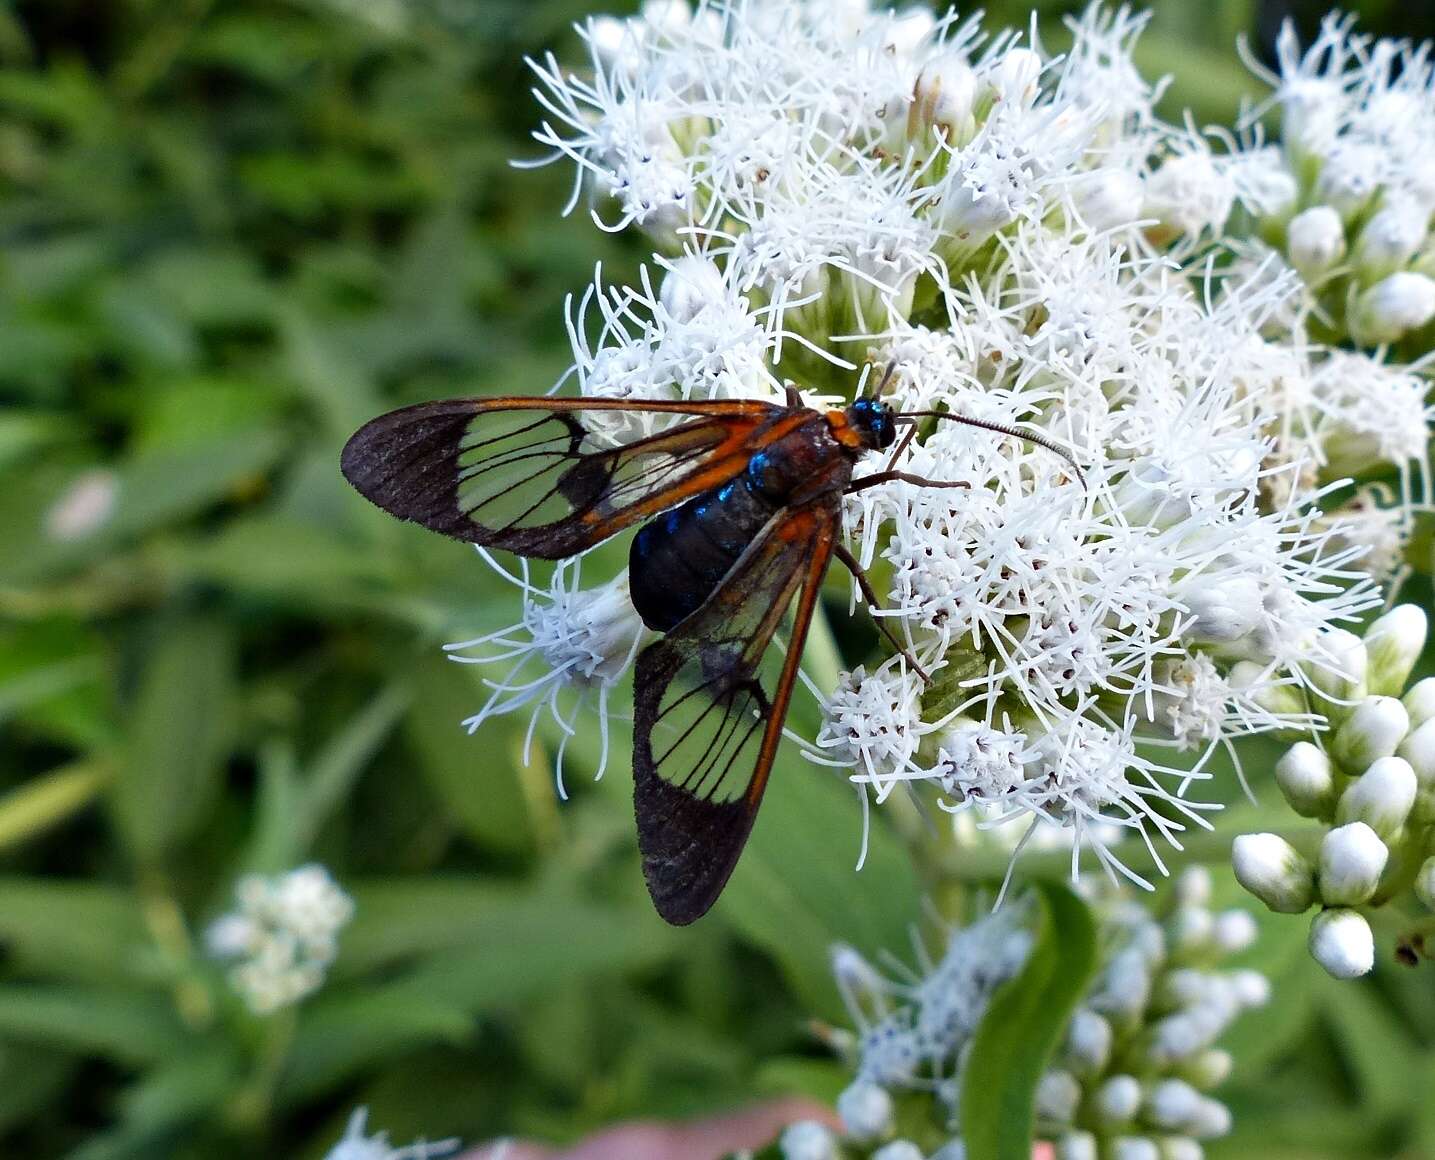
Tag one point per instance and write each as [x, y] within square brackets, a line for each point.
[230, 232]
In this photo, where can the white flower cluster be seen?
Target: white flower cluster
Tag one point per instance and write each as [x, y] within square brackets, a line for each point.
[834, 189]
[570, 639]
[1371, 786]
[355, 1145]
[1139, 1055]
[285, 934]
[1348, 196]
[1346, 200]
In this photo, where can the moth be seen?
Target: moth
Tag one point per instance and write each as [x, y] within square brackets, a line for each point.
[740, 510]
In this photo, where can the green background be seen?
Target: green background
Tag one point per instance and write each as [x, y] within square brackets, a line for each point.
[230, 232]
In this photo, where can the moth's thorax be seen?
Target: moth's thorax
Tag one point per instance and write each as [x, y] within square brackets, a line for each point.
[679, 558]
[867, 425]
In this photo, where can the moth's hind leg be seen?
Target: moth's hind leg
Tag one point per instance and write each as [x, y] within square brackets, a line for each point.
[859, 574]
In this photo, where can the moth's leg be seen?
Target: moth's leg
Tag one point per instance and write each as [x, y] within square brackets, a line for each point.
[903, 445]
[903, 477]
[794, 396]
[869, 594]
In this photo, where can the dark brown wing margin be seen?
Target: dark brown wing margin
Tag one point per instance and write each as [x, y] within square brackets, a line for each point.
[455, 468]
[689, 833]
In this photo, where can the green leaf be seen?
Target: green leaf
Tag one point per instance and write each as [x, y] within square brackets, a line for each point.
[347, 754]
[191, 1084]
[45, 801]
[179, 734]
[341, 1033]
[504, 950]
[23, 433]
[1021, 1027]
[480, 778]
[124, 1026]
[1380, 1053]
[146, 492]
[70, 929]
[797, 892]
[32, 1079]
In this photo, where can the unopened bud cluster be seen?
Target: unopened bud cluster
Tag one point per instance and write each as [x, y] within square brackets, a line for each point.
[1370, 782]
[1349, 193]
[284, 935]
[1138, 1059]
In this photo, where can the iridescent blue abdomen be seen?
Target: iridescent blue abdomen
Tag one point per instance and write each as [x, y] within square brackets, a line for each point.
[678, 559]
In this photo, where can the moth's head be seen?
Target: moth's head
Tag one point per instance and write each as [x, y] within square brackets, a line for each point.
[874, 422]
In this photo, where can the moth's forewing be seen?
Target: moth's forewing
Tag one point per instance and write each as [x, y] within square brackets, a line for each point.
[525, 475]
[705, 728]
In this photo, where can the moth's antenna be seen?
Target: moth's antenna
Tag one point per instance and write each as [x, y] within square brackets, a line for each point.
[886, 378]
[1003, 429]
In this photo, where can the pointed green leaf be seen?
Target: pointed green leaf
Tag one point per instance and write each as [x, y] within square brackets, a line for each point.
[1021, 1028]
[179, 733]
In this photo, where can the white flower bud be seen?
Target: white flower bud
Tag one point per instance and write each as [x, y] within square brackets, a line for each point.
[1349, 178]
[1341, 942]
[84, 507]
[1234, 931]
[232, 935]
[1315, 240]
[1225, 610]
[1418, 749]
[1183, 987]
[1393, 307]
[1209, 1068]
[1189, 193]
[1210, 1119]
[1107, 198]
[1119, 1099]
[1381, 797]
[666, 16]
[1172, 1103]
[1250, 988]
[944, 98]
[908, 29]
[1307, 780]
[692, 283]
[1352, 860]
[1419, 701]
[1017, 77]
[1425, 884]
[1058, 1095]
[898, 1150]
[1125, 986]
[1390, 238]
[1340, 675]
[1282, 699]
[1189, 929]
[1374, 730]
[1076, 1146]
[1149, 941]
[1180, 1148]
[866, 1110]
[1193, 886]
[1088, 1042]
[1393, 644]
[1134, 1148]
[1274, 871]
[808, 1140]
